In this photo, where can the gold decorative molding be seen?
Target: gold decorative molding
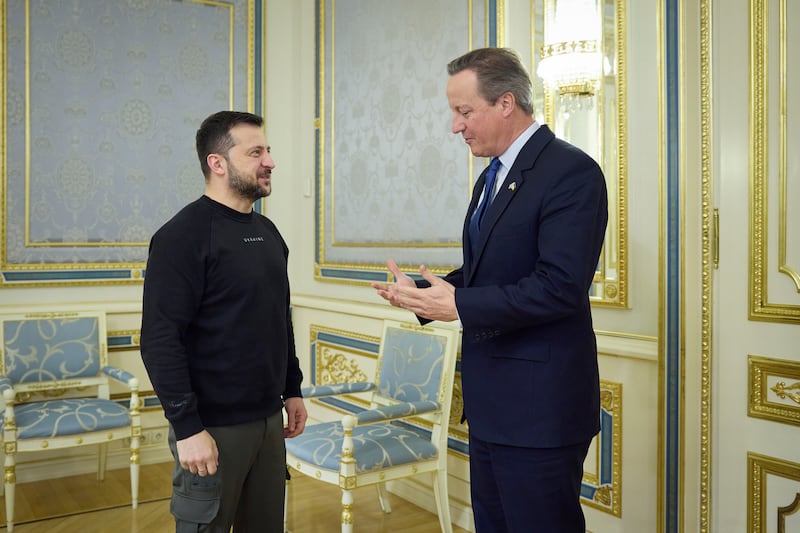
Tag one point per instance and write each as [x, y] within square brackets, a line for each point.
[709, 250]
[335, 362]
[761, 308]
[457, 403]
[783, 152]
[334, 367]
[774, 386]
[132, 335]
[759, 467]
[605, 483]
[610, 286]
[787, 510]
[783, 391]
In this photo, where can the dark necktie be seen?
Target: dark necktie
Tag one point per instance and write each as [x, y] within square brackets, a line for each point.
[488, 189]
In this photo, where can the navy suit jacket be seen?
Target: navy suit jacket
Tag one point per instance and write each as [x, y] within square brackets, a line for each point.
[529, 354]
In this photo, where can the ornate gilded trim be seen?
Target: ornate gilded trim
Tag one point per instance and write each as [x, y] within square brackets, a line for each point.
[122, 340]
[602, 489]
[334, 353]
[758, 468]
[774, 386]
[500, 14]
[760, 306]
[608, 290]
[707, 273]
[783, 171]
[787, 510]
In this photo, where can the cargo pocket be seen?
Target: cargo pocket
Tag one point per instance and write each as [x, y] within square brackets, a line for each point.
[195, 501]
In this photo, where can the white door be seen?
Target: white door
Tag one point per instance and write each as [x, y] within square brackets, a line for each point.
[755, 386]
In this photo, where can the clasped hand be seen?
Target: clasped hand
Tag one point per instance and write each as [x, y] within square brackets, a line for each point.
[437, 302]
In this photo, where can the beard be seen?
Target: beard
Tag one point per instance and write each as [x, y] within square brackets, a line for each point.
[249, 189]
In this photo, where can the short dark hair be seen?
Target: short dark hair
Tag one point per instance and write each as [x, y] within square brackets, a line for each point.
[499, 71]
[214, 135]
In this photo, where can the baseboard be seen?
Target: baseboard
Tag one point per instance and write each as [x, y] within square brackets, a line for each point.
[422, 496]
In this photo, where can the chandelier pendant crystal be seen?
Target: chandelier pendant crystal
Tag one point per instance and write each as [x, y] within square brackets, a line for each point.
[571, 60]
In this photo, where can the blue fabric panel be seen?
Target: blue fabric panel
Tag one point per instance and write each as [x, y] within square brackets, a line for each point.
[336, 388]
[49, 349]
[411, 365]
[56, 418]
[118, 374]
[398, 410]
[374, 447]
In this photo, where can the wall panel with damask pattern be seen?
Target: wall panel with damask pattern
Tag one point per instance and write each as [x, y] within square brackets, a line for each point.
[392, 180]
[102, 101]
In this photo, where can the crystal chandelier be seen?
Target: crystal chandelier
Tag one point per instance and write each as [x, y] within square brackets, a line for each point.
[571, 61]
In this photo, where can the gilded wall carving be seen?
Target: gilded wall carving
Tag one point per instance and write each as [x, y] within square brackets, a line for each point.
[774, 389]
[772, 487]
[775, 172]
[602, 477]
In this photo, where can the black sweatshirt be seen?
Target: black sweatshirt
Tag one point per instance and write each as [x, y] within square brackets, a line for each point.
[217, 337]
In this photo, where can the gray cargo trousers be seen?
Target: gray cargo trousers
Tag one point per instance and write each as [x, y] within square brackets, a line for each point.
[247, 491]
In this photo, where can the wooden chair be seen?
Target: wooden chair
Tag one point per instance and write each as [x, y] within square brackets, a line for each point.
[414, 380]
[54, 382]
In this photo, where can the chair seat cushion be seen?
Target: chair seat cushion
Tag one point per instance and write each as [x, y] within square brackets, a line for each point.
[375, 446]
[56, 418]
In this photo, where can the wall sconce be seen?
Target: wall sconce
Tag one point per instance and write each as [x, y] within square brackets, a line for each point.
[571, 60]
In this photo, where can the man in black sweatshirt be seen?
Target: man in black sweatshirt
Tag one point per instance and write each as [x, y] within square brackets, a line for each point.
[217, 339]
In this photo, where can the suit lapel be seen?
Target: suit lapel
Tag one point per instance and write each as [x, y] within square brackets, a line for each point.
[514, 181]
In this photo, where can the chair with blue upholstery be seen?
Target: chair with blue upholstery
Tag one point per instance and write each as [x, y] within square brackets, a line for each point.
[54, 382]
[403, 432]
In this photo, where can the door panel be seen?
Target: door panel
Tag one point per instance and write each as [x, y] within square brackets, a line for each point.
[756, 362]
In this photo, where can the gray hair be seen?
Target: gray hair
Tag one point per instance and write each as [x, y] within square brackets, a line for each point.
[499, 71]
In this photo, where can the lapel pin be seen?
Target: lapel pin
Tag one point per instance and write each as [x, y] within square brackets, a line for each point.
[512, 186]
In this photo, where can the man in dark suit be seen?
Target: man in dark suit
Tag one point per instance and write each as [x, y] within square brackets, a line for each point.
[531, 244]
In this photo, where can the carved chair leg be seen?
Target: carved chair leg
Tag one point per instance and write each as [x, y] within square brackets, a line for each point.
[134, 472]
[383, 498]
[347, 511]
[442, 500]
[9, 484]
[102, 454]
[286, 505]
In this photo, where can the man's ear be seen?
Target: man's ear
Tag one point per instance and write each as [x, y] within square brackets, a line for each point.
[507, 103]
[217, 164]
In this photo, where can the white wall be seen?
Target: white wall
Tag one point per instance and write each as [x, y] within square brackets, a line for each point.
[628, 346]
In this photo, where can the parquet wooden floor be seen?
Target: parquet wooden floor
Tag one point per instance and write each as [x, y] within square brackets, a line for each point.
[313, 507]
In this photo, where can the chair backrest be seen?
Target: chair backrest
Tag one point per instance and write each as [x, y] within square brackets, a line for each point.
[415, 363]
[44, 350]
